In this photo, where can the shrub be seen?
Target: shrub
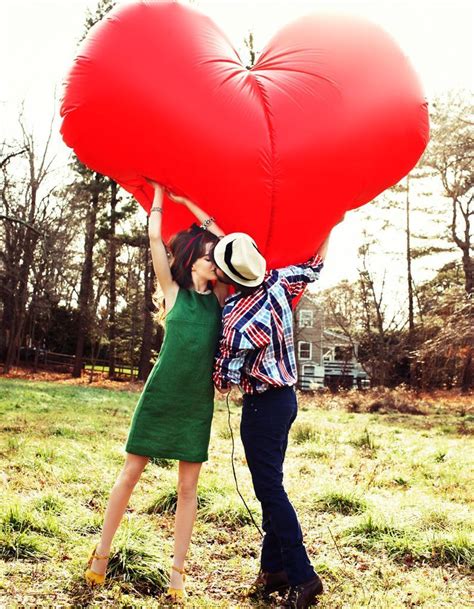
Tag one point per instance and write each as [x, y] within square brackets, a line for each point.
[228, 510]
[167, 500]
[19, 519]
[46, 453]
[163, 463]
[303, 432]
[365, 442]
[65, 432]
[20, 545]
[136, 566]
[341, 502]
[50, 503]
[394, 400]
[372, 529]
[413, 544]
[165, 503]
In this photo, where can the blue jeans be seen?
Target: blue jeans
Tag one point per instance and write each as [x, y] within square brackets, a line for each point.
[266, 422]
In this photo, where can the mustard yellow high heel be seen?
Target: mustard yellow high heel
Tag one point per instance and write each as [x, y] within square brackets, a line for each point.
[177, 594]
[91, 577]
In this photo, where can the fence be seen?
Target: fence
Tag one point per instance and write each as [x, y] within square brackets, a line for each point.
[40, 359]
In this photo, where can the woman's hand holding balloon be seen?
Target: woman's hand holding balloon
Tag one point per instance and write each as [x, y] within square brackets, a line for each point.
[177, 198]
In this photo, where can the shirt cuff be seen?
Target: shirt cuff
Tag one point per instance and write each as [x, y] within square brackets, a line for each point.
[221, 383]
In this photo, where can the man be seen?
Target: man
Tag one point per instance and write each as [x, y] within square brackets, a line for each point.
[257, 353]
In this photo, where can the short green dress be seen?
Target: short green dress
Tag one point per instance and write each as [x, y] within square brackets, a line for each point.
[174, 412]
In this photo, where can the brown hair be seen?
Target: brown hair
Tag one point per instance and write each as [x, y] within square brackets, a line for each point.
[184, 248]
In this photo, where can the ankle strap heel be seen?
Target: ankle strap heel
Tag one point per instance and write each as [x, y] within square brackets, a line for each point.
[178, 594]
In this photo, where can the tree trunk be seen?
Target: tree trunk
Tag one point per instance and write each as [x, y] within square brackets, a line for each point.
[411, 320]
[468, 268]
[29, 244]
[8, 314]
[144, 366]
[464, 243]
[112, 280]
[466, 377]
[85, 292]
[411, 316]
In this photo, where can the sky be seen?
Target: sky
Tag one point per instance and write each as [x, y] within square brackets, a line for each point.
[38, 41]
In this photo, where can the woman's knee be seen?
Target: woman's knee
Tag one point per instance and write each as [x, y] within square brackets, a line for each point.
[131, 473]
[187, 491]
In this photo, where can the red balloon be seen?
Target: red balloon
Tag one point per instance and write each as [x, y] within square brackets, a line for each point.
[331, 115]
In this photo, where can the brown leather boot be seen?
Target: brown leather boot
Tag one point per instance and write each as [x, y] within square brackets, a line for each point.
[304, 595]
[266, 583]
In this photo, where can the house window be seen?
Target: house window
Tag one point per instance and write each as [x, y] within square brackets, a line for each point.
[305, 350]
[305, 319]
[309, 370]
[342, 354]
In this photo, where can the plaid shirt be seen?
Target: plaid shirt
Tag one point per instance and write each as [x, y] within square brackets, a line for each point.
[257, 349]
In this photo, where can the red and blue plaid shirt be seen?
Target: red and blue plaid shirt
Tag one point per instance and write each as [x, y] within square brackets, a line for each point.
[256, 350]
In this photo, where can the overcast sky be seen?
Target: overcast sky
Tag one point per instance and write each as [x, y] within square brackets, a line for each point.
[38, 40]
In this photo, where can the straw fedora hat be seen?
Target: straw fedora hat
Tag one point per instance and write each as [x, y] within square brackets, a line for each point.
[238, 257]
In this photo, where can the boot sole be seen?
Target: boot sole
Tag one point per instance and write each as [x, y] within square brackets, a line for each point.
[265, 593]
[318, 592]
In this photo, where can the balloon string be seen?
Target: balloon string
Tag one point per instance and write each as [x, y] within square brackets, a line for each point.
[233, 468]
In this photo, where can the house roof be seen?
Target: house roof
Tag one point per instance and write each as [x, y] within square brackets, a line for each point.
[336, 335]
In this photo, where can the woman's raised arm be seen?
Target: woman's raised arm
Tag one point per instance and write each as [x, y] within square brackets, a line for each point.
[205, 219]
[159, 256]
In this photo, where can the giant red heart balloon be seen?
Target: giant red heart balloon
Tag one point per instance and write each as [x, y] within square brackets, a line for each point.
[331, 115]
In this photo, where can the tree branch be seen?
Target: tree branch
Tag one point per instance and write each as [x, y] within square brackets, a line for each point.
[11, 156]
[9, 219]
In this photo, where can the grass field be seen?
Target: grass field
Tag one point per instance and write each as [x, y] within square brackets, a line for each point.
[381, 482]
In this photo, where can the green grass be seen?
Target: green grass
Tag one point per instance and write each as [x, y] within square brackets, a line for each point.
[16, 545]
[408, 543]
[164, 503]
[135, 564]
[341, 502]
[228, 510]
[384, 500]
[217, 504]
[365, 442]
[302, 432]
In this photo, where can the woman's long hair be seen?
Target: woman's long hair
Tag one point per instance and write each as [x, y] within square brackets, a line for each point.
[184, 248]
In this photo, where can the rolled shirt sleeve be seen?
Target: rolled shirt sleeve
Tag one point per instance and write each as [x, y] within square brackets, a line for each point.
[297, 276]
[230, 359]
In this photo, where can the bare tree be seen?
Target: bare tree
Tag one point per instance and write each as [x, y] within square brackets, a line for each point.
[93, 17]
[144, 365]
[112, 279]
[451, 156]
[26, 200]
[249, 43]
[92, 187]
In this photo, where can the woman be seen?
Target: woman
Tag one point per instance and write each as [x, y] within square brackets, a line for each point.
[170, 421]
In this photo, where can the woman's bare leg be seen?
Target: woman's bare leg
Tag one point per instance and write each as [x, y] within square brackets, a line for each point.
[185, 516]
[117, 504]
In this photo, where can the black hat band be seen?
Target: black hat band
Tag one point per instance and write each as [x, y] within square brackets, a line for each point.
[228, 261]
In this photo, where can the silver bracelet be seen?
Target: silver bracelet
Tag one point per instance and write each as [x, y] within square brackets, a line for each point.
[207, 222]
[156, 209]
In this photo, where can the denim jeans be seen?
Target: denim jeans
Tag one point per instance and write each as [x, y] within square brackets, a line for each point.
[266, 422]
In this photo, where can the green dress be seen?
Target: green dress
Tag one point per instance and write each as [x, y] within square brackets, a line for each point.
[174, 412]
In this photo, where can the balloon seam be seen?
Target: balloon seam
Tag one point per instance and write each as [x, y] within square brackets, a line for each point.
[271, 134]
